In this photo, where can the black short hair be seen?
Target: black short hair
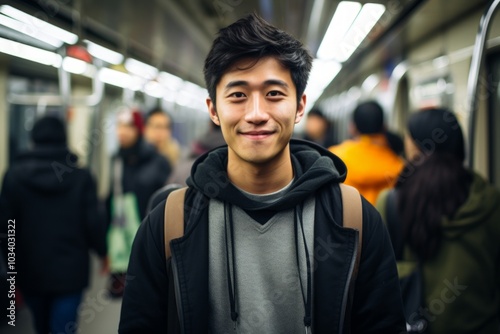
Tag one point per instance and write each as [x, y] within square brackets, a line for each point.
[156, 111]
[252, 37]
[315, 111]
[369, 118]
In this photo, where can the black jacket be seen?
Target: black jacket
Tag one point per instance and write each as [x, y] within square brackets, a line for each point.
[144, 171]
[154, 291]
[54, 205]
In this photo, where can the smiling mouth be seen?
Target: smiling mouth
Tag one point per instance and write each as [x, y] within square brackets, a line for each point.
[257, 135]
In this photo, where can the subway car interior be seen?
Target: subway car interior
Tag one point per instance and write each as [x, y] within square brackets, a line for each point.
[84, 61]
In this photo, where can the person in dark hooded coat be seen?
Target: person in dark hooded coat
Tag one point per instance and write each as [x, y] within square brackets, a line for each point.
[138, 170]
[53, 205]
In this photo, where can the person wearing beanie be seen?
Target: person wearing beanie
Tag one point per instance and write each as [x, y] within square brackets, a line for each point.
[53, 206]
[371, 163]
[447, 220]
[137, 170]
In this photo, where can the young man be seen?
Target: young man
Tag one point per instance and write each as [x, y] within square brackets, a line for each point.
[264, 250]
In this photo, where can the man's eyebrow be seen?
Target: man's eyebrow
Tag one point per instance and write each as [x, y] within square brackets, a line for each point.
[270, 82]
[276, 82]
[236, 83]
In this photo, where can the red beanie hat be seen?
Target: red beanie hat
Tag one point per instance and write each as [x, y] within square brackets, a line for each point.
[131, 117]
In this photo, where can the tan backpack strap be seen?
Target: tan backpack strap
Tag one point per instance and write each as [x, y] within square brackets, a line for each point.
[352, 213]
[174, 217]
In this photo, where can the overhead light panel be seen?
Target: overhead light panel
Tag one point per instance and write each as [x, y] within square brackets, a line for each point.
[141, 69]
[154, 89]
[172, 82]
[30, 53]
[37, 25]
[322, 73]
[364, 23]
[353, 26]
[114, 77]
[103, 53]
[74, 65]
[22, 28]
[342, 20]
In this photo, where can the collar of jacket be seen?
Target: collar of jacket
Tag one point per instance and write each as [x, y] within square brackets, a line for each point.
[334, 248]
[313, 167]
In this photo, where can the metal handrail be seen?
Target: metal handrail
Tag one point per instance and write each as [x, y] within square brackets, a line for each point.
[475, 70]
[44, 100]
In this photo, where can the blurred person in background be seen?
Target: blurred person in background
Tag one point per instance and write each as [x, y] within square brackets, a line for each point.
[209, 140]
[158, 131]
[318, 128]
[55, 208]
[395, 142]
[448, 219]
[372, 164]
[138, 170]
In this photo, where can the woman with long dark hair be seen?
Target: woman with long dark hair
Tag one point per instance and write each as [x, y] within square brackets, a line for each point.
[446, 219]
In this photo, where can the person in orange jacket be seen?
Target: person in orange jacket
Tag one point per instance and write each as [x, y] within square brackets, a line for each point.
[371, 164]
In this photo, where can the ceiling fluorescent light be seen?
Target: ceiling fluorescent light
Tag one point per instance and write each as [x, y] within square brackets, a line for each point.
[341, 22]
[115, 78]
[322, 73]
[22, 28]
[30, 53]
[103, 53]
[172, 82]
[34, 24]
[77, 66]
[155, 89]
[364, 23]
[141, 69]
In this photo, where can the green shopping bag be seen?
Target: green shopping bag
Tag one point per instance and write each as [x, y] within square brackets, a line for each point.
[122, 231]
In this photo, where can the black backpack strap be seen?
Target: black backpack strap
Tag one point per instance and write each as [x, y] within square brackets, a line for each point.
[394, 225]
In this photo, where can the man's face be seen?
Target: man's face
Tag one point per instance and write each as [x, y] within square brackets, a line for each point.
[257, 111]
[316, 127]
[157, 130]
[127, 135]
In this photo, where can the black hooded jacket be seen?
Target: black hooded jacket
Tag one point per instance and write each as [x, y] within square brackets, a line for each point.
[174, 298]
[55, 208]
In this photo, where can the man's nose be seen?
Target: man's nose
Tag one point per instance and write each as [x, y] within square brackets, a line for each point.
[256, 112]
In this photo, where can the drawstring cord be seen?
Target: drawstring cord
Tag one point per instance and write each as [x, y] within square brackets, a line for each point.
[307, 301]
[231, 281]
[231, 286]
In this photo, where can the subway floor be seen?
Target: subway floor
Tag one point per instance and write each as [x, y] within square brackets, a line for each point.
[98, 314]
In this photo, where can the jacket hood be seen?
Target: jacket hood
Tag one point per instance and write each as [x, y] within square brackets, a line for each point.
[313, 167]
[481, 204]
[45, 168]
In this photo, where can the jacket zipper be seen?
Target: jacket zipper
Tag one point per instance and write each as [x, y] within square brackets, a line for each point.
[348, 282]
[180, 311]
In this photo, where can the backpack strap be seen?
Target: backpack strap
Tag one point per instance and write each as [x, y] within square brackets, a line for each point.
[174, 218]
[352, 214]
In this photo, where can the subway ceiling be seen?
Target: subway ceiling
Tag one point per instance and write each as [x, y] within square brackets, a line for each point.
[175, 35]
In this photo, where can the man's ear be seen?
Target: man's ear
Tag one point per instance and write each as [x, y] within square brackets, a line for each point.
[301, 108]
[212, 111]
